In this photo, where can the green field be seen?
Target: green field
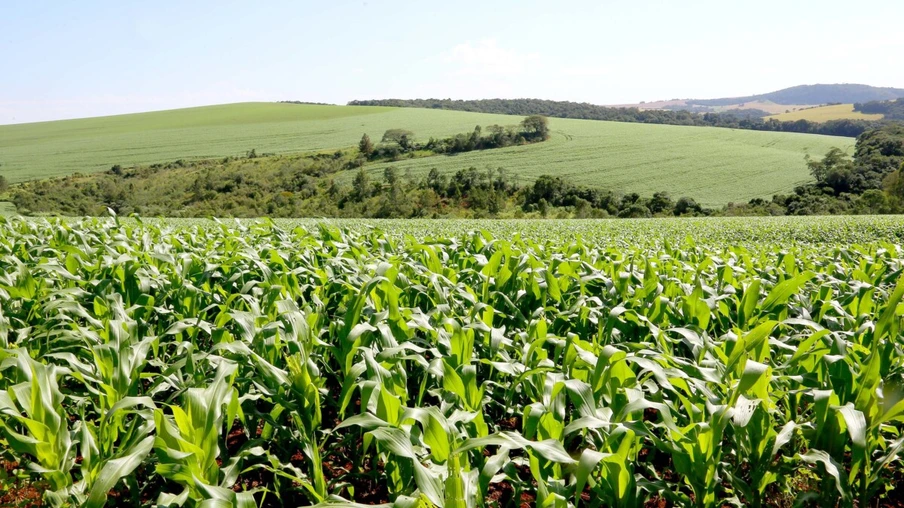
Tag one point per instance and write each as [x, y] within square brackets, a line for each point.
[825, 113]
[42, 150]
[709, 231]
[452, 364]
[712, 165]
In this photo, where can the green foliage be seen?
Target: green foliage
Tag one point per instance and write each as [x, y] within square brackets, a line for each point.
[623, 158]
[365, 146]
[727, 166]
[610, 363]
[312, 186]
[536, 126]
[834, 170]
[892, 110]
[397, 136]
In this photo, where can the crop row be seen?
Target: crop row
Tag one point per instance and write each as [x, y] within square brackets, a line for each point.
[255, 365]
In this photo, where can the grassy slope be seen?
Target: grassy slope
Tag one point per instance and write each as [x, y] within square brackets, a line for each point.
[46, 149]
[826, 113]
[712, 165]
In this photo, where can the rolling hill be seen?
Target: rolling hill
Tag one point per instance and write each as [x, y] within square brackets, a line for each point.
[715, 166]
[47, 149]
[814, 94]
[826, 113]
[788, 99]
[712, 165]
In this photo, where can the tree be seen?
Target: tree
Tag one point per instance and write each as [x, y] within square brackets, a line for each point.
[893, 184]
[544, 207]
[873, 201]
[391, 176]
[820, 169]
[474, 139]
[635, 211]
[365, 146]
[4, 185]
[405, 142]
[661, 202]
[396, 135]
[436, 181]
[361, 185]
[536, 126]
[834, 170]
[582, 209]
[687, 205]
[549, 188]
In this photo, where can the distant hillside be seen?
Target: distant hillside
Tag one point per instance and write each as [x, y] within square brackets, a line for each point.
[40, 150]
[813, 94]
[828, 113]
[733, 119]
[892, 110]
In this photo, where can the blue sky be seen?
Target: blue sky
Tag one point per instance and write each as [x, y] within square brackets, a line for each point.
[65, 59]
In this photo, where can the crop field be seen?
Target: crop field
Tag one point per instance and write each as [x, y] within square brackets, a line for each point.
[42, 150]
[826, 113]
[694, 363]
[749, 232]
[714, 166]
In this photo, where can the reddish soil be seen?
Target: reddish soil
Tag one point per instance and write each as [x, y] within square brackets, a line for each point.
[16, 493]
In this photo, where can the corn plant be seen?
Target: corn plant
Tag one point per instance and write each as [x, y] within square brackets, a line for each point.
[415, 364]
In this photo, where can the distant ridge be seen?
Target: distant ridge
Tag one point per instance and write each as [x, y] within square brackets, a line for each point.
[813, 94]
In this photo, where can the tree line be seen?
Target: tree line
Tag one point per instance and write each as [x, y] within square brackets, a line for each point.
[397, 143]
[585, 111]
[893, 110]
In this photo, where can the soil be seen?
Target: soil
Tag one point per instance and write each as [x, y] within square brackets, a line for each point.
[16, 493]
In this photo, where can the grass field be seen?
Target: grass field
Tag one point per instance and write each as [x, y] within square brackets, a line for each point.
[47, 149]
[826, 113]
[190, 363]
[712, 165]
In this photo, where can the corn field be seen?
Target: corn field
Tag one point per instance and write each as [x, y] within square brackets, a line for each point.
[258, 365]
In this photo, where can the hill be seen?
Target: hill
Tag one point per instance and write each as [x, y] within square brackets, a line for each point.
[826, 113]
[47, 149]
[890, 110]
[712, 165]
[773, 104]
[813, 94]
